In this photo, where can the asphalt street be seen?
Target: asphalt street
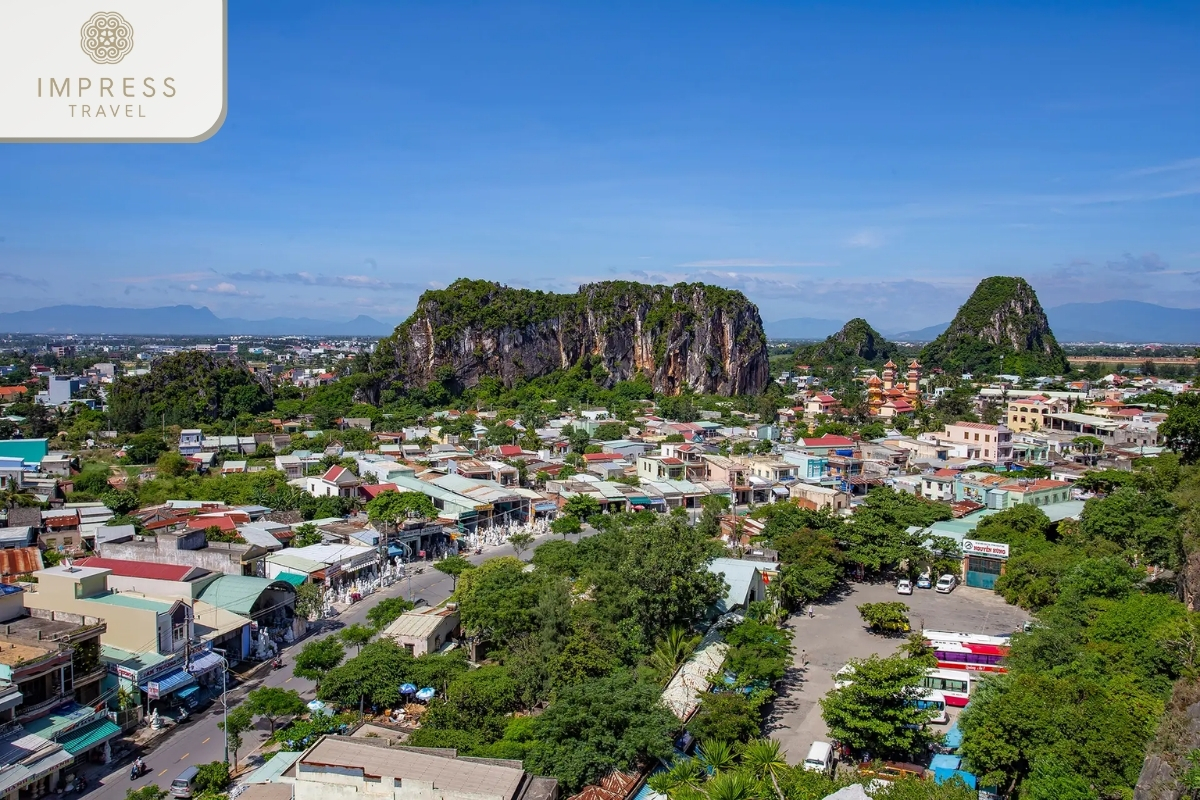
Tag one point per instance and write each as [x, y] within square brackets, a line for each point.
[200, 741]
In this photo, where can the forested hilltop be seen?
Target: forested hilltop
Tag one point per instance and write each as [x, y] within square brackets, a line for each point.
[689, 336]
[1001, 328]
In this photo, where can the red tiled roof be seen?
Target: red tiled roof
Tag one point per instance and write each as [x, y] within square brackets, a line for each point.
[8, 391]
[224, 523]
[829, 440]
[373, 490]
[143, 569]
[19, 560]
[595, 457]
[825, 399]
[673, 462]
[510, 450]
[946, 473]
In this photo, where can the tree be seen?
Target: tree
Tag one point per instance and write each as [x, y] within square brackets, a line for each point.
[758, 652]
[565, 525]
[671, 651]
[578, 437]
[238, 721]
[171, 465]
[613, 722]
[876, 711]
[1181, 428]
[317, 657]
[273, 703]
[387, 611]
[885, 617]
[307, 535]
[309, 600]
[726, 717]
[391, 508]
[611, 431]
[212, 778]
[374, 676]
[14, 495]
[151, 791]
[356, 635]
[520, 542]
[120, 502]
[144, 448]
[453, 566]
[582, 506]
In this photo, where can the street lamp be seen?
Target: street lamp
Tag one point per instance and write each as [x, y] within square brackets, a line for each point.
[224, 697]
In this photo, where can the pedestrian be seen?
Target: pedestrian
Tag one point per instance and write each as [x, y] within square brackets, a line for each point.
[804, 657]
[810, 611]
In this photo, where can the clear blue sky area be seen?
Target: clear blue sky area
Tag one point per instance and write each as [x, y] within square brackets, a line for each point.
[830, 160]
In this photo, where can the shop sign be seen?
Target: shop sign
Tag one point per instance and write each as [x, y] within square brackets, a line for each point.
[975, 547]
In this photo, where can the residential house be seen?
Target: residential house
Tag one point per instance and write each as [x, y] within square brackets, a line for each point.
[424, 630]
[979, 441]
[336, 482]
[191, 441]
[1030, 414]
[659, 467]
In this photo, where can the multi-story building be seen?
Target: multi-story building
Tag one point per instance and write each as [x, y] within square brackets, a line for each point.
[979, 441]
[1026, 414]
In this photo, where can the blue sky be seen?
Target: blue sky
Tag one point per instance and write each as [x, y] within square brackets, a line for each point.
[830, 160]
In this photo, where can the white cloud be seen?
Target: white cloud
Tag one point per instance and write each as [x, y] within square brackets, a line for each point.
[733, 263]
[867, 237]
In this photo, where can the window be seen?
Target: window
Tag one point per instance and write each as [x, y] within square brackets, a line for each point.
[987, 437]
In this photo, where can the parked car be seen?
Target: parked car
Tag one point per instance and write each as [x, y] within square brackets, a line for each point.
[925, 581]
[904, 586]
[946, 584]
[819, 758]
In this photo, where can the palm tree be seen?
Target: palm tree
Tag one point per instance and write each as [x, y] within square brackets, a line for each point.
[761, 757]
[731, 786]
[685, 774]
[716, 756]
[671, 651]
[13, 495]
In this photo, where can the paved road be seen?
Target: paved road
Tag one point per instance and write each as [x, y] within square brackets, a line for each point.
[835, 634]
[200, 741]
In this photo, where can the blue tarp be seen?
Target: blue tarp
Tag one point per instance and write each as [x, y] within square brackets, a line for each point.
[946, 767]
[954, 737]
[170, 682]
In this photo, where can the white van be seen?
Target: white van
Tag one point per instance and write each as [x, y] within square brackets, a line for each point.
[819, 758]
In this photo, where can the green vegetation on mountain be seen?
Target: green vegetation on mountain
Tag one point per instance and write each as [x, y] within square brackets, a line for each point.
[856, 344]
[687, 336]
[1001, 328]
[186, 389]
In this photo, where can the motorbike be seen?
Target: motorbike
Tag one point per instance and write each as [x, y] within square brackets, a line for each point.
[478, 550]
[277, 663]
[137, 769]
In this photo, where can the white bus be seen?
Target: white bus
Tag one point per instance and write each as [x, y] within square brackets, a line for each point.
[954, 684]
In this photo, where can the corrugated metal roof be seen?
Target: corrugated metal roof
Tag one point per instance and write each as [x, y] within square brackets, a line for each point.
[20, 560]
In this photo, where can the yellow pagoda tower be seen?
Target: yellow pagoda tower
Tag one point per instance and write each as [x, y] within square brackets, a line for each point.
[874, 394]
[889, 375]
[913, 394]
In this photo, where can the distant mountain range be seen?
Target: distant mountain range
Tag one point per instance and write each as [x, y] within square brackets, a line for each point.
[803, 328]
[1111, 321]
[176, 321]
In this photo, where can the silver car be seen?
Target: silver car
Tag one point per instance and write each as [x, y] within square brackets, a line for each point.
[946, 584]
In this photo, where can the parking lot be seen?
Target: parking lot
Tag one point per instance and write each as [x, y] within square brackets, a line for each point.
[836, 634]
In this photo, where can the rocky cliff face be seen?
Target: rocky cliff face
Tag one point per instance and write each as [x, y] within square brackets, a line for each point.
[688, 335]
[1001, 328]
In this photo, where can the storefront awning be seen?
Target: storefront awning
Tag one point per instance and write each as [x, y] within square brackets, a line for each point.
[203, 663]
[187, 691]
[87, 737]
[167, 684]
[540, 507]
[782, 491]
[292, 578]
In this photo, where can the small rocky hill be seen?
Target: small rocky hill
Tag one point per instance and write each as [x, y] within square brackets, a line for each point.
[689, 335]
[1000, 329]
[856, 343]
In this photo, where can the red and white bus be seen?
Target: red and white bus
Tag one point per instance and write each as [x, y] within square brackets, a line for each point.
[953, 685]
[968, 651]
